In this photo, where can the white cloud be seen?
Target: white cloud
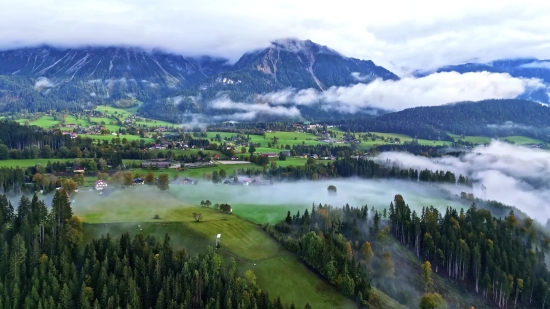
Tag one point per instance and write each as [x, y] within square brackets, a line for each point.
[252, 110]
[537, 65]
[360, 78]
[399, 35]
[435, 89]
[514, 175]
[43, 82]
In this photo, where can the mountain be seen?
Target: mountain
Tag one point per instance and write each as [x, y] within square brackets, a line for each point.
[45, 78]
[521, 68]
[284, 64]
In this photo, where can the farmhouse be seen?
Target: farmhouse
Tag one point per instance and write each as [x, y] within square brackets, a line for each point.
[78, 169]
[156, 163]
[286, 153]
[100, 185]
[270, 154]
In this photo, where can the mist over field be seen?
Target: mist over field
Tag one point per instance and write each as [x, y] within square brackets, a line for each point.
[514, 175]
[355, 192]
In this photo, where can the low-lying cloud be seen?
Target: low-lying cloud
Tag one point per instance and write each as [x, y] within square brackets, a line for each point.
[537, 65]
[432, 90]
[249, 111]
[43, 82]
[509, 125]
[514, 175]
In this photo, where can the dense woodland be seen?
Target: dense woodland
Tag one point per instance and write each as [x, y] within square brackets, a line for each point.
[43, 265]
[501, 259]
[491, 118]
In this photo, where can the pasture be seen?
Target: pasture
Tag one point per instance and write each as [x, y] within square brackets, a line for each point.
[277, 270]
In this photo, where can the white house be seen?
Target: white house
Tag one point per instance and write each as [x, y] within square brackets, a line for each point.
[100, 185]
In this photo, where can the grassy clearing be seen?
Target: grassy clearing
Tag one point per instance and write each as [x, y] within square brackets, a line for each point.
[45, 122]
[277, 271]
[287, 277]
[523, 140]
[471, 139]
[110, 137]
[29, 162]
[223, 135]
[290, 161]
[266, 213]
[280, 274]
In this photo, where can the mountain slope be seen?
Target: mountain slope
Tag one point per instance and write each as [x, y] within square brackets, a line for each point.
[284, 64]
[45, 78]
[488, 118]
[521, 68]
[296, 64]
[95, 74]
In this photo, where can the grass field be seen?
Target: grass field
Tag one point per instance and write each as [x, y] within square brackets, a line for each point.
[523, 140]
[520, 140]
[278, 271]
[109, 137]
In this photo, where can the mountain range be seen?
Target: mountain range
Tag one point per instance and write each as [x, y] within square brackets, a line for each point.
[169, 86]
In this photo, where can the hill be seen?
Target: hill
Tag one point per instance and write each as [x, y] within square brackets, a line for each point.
[491, 118]
[525, 67]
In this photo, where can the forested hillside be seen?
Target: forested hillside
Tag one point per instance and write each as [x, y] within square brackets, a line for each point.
[501, 260]
[492, 118]
[43, 266]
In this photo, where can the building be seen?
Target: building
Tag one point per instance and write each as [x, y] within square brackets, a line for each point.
[100, 185]
[286, 153]
[138, 181]
[155, 164]
[78, 169]
[270, 154]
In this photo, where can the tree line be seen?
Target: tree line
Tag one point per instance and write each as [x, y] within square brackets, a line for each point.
[500, 259]
[362, 168]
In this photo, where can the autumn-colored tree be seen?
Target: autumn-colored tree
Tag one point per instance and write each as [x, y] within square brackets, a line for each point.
[73, 234]
[348, 250]
[431, 301]
[164, 182]
[37, 178]
[388, 268]
[69, 185]
[150, 179]
[427, 275]
[128, 179]
[102, 176]
[79, 179]
[118, 178]
[366, 252]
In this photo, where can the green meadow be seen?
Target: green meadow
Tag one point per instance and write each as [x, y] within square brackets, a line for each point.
[277, 270]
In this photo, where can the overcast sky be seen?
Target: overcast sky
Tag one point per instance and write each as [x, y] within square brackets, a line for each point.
[401, 35]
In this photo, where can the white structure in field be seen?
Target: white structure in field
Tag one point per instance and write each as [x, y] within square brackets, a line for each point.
[218, 240]
[100, 185]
